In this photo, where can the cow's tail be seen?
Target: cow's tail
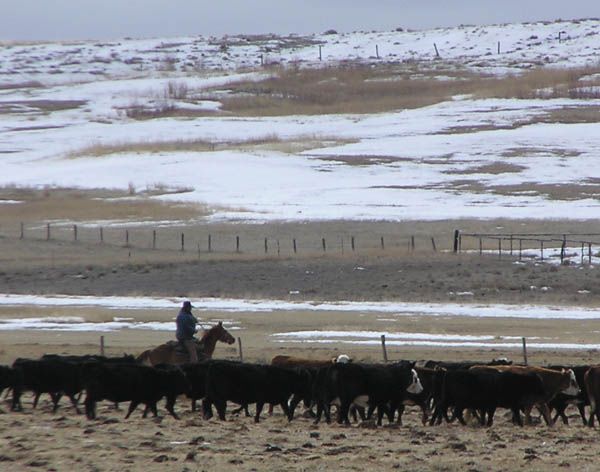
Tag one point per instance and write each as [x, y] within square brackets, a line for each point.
[144, 358]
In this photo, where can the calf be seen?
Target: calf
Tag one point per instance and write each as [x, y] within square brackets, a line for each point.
[134, 383]
[250, 383]
[423, 399]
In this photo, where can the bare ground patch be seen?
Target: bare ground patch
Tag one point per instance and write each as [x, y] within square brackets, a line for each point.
[494, 168]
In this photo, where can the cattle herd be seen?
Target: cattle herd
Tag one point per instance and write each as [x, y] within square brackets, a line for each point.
[444, 391]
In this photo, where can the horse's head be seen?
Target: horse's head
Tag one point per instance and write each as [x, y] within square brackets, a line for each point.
[222, 334]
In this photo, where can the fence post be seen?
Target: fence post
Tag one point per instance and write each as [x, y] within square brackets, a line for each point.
[323, 244]
[562, 249]
[240, 348]
[542, 250]
[209, 243]
[524, 350]
[520, 248]
[456, 235]
[511, 244]
[320, 55]
[480, 247]
[412, 243]
[377, 51]
[102, 345]
[182, 242]
[22, 231]
[352, 243]
[278, 248]
[126, 238]
[47, 231]
[382, 244]
[295, 248]
[101, 234]
[500, 248]
[437, 53]
[385, 356]
[153, 239]
[74, 232]
[342, 242]
[237, 244]
[582, 249]
[590, 253]
[498, 47]
[433, 244]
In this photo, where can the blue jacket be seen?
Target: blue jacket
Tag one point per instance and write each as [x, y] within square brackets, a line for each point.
[186, 325]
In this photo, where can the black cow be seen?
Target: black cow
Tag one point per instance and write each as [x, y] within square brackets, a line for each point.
[561, 401]
[134, 383]
[379, 386]
[55, 377]
[484, 391]
[245, 384]
[461, 365]
[196, 377]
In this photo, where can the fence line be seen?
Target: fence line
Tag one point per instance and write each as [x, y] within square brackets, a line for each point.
[209, 240]
[540, 240]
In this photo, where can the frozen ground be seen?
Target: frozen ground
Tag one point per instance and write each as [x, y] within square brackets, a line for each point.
[57, 100]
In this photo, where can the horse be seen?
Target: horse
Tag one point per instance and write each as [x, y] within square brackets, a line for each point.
[175, 353]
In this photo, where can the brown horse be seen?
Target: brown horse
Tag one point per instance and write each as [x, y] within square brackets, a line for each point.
[173, 352]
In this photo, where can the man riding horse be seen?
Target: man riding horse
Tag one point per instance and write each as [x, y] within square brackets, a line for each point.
[186, 328]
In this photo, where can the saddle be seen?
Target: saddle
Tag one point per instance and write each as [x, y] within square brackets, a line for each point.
[180, 349]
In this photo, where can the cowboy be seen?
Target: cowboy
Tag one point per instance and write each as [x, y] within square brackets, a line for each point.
[186, 328]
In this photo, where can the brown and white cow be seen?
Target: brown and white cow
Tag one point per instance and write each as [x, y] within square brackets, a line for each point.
[554, 382]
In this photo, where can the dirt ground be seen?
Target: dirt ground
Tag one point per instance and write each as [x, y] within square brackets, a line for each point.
[41, 440]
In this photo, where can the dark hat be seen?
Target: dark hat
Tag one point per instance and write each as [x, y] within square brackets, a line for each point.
[188, 305]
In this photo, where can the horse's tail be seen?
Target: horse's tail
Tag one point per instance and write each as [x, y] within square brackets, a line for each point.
[144, 358]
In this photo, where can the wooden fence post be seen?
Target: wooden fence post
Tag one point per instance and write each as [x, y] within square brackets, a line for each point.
[74, 232]
[240, 349]
[153, 239]
[182, 242]
[320, 55]
[47, 231]
[562, 249]
[377, 51]
[342, 243]
[433, 244]
[511, 244]
[542, 250]
[278, 248]
[385, 356]
[412, 243]
[500, 248]
[352, 243]
[498, 47]
[126, 238]
[102, 345]
[590, 253]
[266, 246]
[520, 248]
[295, 248]
[323, 244]
[382, 244]
[524, 350]
[437, 53]
[209, 243]
[456, 235]
[582, 249]
[22, 236]
[101, 234]
[237, 244]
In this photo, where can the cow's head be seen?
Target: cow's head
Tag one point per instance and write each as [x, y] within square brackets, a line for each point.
[573, 388]
[415, 384]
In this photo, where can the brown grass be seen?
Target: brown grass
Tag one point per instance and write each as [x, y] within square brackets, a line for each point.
[267, 142]
[492, 168]
[90, 205]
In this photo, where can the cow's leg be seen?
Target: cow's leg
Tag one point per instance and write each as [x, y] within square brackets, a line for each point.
[545, 411]
[221, 406]
[75, 403]
[207, 409]
[146, 411]
[90, 407]
[170, 406]
[401, 409]
[154, 409]
[581, 408]
[16, 400]
[132, 406]
[296, 399]
[516, 416]
[259, 407]
[490, 416]
[193, 405]
[343, 413]
[55, 399]
[36, 399]
[287, 411]
[458, 413]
